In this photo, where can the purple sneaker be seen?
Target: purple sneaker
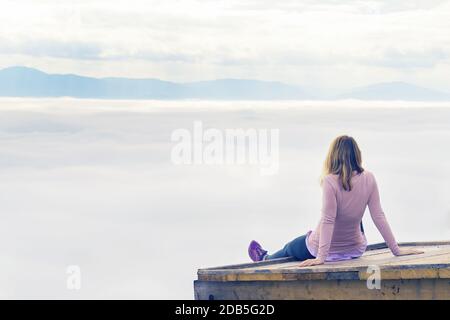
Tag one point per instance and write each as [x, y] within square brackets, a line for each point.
[256, 252]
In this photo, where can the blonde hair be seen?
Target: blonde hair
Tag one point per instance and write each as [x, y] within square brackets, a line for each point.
[344, 157]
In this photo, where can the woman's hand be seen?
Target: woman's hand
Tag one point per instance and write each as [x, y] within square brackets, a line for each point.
[310, 262]
[407, 252]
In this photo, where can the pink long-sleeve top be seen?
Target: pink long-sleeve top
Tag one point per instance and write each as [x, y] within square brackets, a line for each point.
[338, 235]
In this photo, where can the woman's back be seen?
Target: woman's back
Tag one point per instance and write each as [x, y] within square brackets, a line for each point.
[338, 235]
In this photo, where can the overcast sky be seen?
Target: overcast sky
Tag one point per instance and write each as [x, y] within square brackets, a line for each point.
[316, 43]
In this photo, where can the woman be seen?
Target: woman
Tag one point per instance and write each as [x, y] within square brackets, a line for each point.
[347, 189]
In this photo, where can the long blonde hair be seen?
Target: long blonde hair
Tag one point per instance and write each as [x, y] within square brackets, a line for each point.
[344, 157]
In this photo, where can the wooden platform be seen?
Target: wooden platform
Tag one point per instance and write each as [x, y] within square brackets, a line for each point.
[424, 276]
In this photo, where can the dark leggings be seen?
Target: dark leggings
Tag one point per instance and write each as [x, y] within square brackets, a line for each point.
[295, 248]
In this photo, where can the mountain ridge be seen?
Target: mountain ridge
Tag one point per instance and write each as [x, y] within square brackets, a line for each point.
[21, 81]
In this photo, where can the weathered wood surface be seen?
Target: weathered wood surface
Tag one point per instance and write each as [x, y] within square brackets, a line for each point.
[424, 276]
[425, 289]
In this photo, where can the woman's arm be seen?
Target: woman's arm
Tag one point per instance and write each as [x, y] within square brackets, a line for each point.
[379, 219]
[329, 210]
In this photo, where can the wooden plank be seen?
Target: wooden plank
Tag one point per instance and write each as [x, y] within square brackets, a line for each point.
[332, 266]
[285, 261]
[374, 249]
[280, 273]
[424, 243]
[382, 245]
[438, 259]
[444, 273]
[245, 277]
[417, 289]
[376, 246]
[400, 274]
[251, 264]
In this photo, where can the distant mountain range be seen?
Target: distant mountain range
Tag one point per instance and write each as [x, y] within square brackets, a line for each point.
[28, 82]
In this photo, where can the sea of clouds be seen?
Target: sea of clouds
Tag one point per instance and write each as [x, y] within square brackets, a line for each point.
[91, 183]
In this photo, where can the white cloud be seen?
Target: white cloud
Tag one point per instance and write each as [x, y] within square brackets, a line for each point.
[91, 183]
[305, 42]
